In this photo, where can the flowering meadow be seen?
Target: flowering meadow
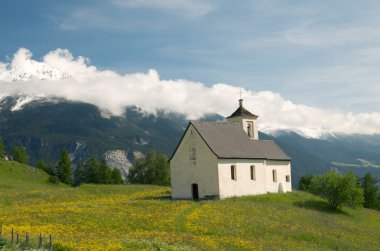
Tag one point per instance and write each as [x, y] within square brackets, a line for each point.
[140, 217]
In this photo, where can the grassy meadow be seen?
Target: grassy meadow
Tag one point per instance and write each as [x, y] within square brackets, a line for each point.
[137, 217]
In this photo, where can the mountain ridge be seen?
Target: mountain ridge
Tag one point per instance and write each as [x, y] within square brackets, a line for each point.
[45, 128]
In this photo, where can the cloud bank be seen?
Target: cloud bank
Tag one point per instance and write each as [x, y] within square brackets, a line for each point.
[114, 92]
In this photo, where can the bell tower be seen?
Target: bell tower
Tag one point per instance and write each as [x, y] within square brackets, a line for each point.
[246, 119]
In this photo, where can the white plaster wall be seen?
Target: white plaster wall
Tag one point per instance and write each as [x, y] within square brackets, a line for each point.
[243, 185]
[185, 172]
[283, 169]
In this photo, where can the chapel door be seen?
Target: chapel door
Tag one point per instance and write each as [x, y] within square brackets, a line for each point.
[194, 191]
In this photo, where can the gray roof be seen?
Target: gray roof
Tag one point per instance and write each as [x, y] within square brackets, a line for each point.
[228, 140]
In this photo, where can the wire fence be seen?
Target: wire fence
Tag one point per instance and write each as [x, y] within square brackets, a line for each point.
[24, 241]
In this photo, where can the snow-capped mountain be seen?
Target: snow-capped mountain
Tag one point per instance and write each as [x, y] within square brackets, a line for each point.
[310, 133]
[33, 70]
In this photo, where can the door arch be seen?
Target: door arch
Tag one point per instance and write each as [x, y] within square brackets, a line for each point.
[194, 191]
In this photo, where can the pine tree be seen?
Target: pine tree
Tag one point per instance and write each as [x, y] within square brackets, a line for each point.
[79, 174]
[2, 148]
[371, 191]
[105, 173]
[92, 167]
[64, 169]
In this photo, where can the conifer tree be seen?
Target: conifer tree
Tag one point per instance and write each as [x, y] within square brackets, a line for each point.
[64, 169]
[104, 173]
[92, 167]
[79, 174]
[2, 148]
[371, 191]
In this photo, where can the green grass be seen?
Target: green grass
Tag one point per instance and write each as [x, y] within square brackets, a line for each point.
[137, 217]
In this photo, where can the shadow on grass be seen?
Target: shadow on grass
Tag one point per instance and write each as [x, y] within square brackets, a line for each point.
[320, 206]
[158, 197]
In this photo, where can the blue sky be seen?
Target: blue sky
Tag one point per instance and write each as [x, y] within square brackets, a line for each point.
[323, 54]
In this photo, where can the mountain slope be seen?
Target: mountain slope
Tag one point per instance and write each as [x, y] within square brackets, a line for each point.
[47, 126]
[315, 156]
[142, 217]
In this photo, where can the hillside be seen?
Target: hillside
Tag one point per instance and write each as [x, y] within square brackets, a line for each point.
[136, 217]
[15, 176]
[45, 127]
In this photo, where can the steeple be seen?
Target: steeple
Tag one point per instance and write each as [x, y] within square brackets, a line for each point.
[241, 111]
[246, 119]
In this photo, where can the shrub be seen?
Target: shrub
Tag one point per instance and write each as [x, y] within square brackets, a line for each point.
[45, 167]
[2, 242]
[338, 189]
[305, 182]
[54, 179]
[19, 154]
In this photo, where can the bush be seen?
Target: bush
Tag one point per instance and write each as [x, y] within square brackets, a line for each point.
[305, 182]
[2, 242]
[19, 154]
[54, 179]
[45, 167]
[338, 189]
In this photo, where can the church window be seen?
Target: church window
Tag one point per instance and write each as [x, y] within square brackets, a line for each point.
[274, 173]
[287, 178]
[250, 129]
[253, 172]
[233, 172]
[192, 152]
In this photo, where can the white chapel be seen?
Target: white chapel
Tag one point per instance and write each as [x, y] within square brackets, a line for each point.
[227, 159]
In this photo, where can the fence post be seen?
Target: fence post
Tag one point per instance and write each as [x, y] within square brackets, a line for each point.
[50, 243]
[12, 241]
[26, 240]
[40, 241]
[16, 238]
[1, 230]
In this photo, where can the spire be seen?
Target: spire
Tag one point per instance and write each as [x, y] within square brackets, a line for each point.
[241, 111]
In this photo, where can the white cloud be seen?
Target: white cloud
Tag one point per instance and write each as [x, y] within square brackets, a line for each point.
[3, 67]
[113, 92]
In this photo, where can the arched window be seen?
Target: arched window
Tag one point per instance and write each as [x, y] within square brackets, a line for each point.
[250, 129]
[253, 172]
[233, 172]
[274, 173]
